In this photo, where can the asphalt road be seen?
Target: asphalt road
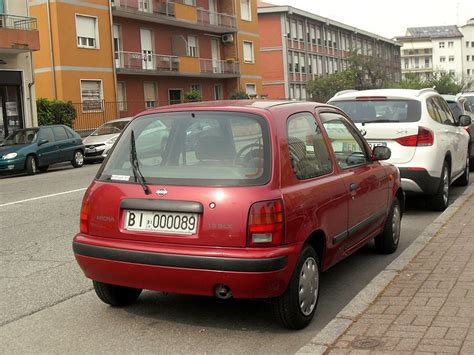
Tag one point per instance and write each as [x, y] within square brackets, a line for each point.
[46, 304]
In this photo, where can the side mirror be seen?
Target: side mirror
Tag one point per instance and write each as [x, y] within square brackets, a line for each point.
[464, 120]
[43, 141]
[381, 152]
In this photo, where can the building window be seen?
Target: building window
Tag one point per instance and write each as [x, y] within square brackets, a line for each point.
[296, 62]
[251, 90]
[467, 44]
[86, 32]
[300, 31]
[468, 57]
[192, 46]
[302, 63]
[248, 52]
[294, 33]
[175, 96]
[245, 10]
[91, 95]
[149, 89]
[450, 44]
[452, 72]
[472, 44]
[406, 63]
[121, 96]
[196, 87]
[442, 59]
[468, 71]
[427, 63]
[441, 44]
[451, 58]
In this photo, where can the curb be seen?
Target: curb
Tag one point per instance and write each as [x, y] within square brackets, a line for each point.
[334, 329]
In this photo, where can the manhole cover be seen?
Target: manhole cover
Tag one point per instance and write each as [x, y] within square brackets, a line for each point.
[366, 343]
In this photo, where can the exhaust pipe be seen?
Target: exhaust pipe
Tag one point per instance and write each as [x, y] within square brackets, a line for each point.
[223, 292]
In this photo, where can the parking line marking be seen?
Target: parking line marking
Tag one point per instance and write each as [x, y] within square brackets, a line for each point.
[42, 197]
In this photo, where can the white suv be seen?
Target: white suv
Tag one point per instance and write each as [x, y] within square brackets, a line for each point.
[428, 145]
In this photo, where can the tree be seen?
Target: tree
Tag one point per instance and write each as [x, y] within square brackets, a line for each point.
[324, 87]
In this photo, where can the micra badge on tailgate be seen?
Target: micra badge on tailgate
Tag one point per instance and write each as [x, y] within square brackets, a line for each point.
[105, 218]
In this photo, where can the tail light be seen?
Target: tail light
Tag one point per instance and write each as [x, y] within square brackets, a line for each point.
[425, 137]
[265, 225]
[84, 216]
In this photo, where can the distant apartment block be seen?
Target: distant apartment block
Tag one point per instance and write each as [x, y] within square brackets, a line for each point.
[125, 56]
[18, 39]
[448, 49]
[298, 46]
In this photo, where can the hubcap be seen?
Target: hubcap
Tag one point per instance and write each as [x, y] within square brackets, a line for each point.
[308, 286]
[396, 221]
[33, 165]
[446, 185]
[79, 158]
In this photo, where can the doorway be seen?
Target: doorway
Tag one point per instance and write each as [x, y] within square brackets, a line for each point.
[11, 113]
[216, 55]
[147, 49]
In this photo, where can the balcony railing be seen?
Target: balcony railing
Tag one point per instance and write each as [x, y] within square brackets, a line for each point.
[146, 61]
[18, 22]
[215, 18]
[167, 9]
[219, 66]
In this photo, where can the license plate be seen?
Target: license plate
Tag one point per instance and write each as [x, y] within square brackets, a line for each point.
[372, 145]
[161, 222]
[90, 150]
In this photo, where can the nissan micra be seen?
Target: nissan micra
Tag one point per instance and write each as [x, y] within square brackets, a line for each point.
[269, 195]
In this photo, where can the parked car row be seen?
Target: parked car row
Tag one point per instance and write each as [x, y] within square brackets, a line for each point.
[430, 146]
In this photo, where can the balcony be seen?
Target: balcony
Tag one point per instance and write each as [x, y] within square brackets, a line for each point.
[18, 34]
[175, 13]
[146, 63]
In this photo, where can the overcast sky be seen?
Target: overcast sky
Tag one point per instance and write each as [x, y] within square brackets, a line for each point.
[388, 18]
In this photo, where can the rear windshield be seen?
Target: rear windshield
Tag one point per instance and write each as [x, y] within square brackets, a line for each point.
[194, 148]
[110, 128]
[381, 110]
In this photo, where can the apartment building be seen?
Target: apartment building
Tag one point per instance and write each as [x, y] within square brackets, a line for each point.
[298, 46]
[121, 57]
[18, 39]
[434, 48]
[468, 49]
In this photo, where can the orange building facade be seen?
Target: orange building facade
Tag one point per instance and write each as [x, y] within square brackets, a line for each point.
[297, 46]
[117, 59]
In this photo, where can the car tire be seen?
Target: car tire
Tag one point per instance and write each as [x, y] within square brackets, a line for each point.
[387, 241]
[440, 201]
[116, 296]
[31, 165]
[296, 307]
[78, 159]
[44, 168]
[463, 180]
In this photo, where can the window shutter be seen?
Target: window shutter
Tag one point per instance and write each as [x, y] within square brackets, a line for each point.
[248, 52]
[85, 26]
[91, 90]
[150, 91]
[245, 9]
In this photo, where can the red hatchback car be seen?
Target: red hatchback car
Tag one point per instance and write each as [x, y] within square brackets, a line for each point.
[244, 199]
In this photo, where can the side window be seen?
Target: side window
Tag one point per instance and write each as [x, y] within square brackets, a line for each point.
[60, 133]
[46, 133]
[467, 106]
[447, 115]
[307, 149]
[433, 110]
[346, 143]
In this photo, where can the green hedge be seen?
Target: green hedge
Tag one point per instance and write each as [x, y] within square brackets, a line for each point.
[55, 112]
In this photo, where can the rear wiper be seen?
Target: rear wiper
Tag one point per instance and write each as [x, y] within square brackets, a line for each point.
[379, 121]
[135, 166]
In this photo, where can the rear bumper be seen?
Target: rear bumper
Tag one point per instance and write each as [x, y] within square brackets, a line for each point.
[249, 273]
[419, 181]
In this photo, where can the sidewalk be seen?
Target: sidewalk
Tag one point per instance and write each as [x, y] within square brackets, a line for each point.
[422, 302]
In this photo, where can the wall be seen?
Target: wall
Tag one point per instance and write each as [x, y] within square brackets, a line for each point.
[455, 51]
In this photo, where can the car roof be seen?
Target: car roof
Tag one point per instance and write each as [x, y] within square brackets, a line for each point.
[390, 93]
[122, 119]
[449, 97]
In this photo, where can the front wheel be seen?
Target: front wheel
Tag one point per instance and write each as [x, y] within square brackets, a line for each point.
[296, 307]
[78, 159]
[387, 241]
[116, 296]
[31, 166]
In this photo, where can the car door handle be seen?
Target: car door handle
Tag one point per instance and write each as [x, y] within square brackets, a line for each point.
[353, 187]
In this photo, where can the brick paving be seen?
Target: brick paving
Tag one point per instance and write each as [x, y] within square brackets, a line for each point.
[429, 306]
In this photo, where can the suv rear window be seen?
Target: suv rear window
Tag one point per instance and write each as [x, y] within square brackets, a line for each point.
[200, 148]
[381, 110]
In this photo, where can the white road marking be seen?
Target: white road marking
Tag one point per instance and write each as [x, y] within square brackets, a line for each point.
[42, 197]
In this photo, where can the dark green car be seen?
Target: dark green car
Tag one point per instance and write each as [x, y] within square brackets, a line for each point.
[35, 149]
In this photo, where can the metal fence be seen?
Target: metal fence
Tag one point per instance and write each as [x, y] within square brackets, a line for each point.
[18, 22]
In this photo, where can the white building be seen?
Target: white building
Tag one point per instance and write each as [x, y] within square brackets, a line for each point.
[435, 48]
[18, 38]
[468, 49]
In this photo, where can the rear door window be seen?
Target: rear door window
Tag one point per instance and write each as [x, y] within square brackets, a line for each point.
[380, 110]
[60, 134]
[196, 148]
[308, 152]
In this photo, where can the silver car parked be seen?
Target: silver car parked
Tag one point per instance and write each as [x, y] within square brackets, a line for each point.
[99, 142]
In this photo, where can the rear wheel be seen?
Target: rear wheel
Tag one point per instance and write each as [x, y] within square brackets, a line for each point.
[387, 241]
[463, 180]
[440, 201]
[116, 296]
[78, 159]
[296, 307]
[31, 165]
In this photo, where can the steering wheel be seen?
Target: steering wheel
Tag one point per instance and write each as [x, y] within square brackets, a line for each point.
[249, 150]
